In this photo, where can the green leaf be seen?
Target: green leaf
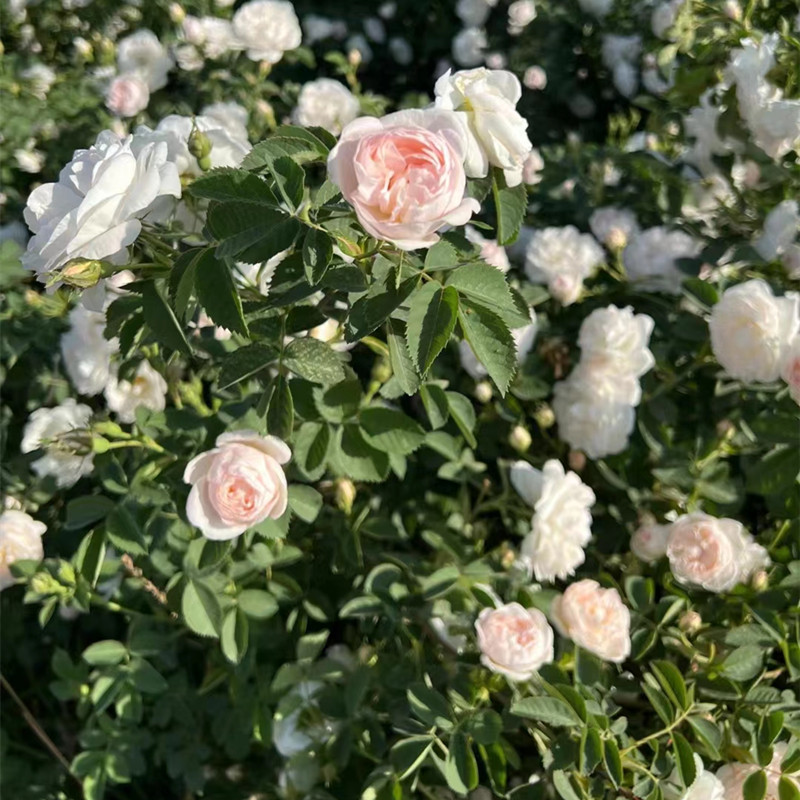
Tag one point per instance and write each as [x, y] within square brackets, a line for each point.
[161, 320]
[390, 431]
[84, 511]
[355, 458]
[228, 183]
[201, 609]
[289, 180]
[613, 761]
[684, 759]
[491, 341]
[743, 663]
[105, 653]
[234, 635]
[146, 678]
[257, 603]
[703, 291]
[549, 710]
[314, 360]
[431, 318]
[280, 409]
[408, 754]
[709, 735]
[461, 768]
[217, 293]
[564, 786]
[340, 402]
[244, 363]
[510, 205]
[755, 786]
[659, 701]
[485, 726]
[429, 706]
[672, 682]
[443, 255]
[91, 555]
[399, 358]
[440, 582]
[317, 254]
[486, 286]
[181, 281]
[788, 789]
[300, 144]
[591, 750]
[381, 299]
[124, 533]
[311, 448]
[463, 412]
[305, 501]
[776, 472]
[434, 399]
[311, 645]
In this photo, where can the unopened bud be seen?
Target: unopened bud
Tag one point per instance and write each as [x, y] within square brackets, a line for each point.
[66, 572]
[760, 580]
[576, 460]
[177, 13]
[199, 145]
[733, 10]
[545, 417]
[106, 52]
[100, 445]
[616, 240]
[108, 428]
[204, 162]
[354, 58]
[690, 622]
[381, 371]
[81, 273]
[508, 557]
[483, 392]
[345, 495]
[267, 111]
[520, 439]
[725, 429]
[43, 583]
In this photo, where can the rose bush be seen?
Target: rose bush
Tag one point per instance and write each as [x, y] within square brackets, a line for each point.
[400, 401]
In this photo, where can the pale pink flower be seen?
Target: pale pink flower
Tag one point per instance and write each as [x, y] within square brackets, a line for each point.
[790, 372]
[514, 641]
[404, 175]
[237, 484]
[127, 96]
[732, 776]
[649, 542]
[20, 539]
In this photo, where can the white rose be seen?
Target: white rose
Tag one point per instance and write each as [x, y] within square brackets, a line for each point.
[143, 55]
[712, 554]
[649, 542]
[701, 125]
[562, 258]
[613, 226]
[317, 28]
[650, 258]
[521, 13]
[597, 8]
[485, 102]
[588, 422]
[217, 37]
[706, 785]
[29, 160]
[733, 776]
[491, 252]
[468, 46]
[562, 523]
[40, 77]
[231, 116]
[94, 210]
[751, 330]
[532, 167]
[514, 641]
[189, 58]
[790, 371]
[86, 351]
[267, 29]
[534, 78]
[663, 17]
[473, 13]
[237, 484]
[127, 96]
[780, 229]
[595, 619]
[791, 261]
[59, 459]
[326, 103]
[617, 50]
[147, 390]
[20, 540]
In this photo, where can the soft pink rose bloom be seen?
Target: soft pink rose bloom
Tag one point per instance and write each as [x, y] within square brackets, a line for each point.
[514, 641]
[649, 542]
[594, 618]
[733, 776]
[790, 372]
[237, 484]
[20, 539]
[713, 554]
[404, 175]
[127, 96]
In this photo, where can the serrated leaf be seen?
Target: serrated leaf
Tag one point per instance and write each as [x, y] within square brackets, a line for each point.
[788, 789]
[709, 734]
[486, 286]
[431, 318]
[355, 458]
[234, 635]
[280, 409]
[244, 363]
[671, 682]
[390, 431]
[314, 360]
[436, 407]
[300, 144]
[317, 254]
[491, 341]
[591, 750]
[201, 610]
[429, 705]
[511, 204]
[305, 501]
[743, 663]
[613, 761]
[257, 603]
[161, 319]
[549, 710]
[311, 448]
[217, 293]
[124, 533]
[563, 785]
[463, 412]
[684, 759]
[399, 358]
[181, 281]
[229, 183]
[381, 299]
[289, 180]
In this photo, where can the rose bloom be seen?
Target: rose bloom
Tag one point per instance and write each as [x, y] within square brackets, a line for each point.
[594, 618]
[147, 390]
[650, 258]
[20, 539]
[790, 371]
[59, 460]
[613, 226]
[327, 104]
[143, 55]
[562, 523]
[267, 29]
[492, 253]
[649, 542]
[706, 785]
[468, 46]
[127, 96]
[713, 554]
[95, 209]
[486, 104]
[86, 351]
[237, 484]
[751, 330]
[404, 176]
[733, 776]
[514, 641]
[780, 230]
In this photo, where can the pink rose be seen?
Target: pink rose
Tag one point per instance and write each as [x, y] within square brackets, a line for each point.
[127, 96]
[649, 542]
[237, 484]
[713, 554]
[514, 641]
[732, 776]
[20, 539]
[404, 175]
[594, 618]
[790, 371]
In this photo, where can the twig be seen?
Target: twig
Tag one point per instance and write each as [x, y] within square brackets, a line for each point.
[147, 584]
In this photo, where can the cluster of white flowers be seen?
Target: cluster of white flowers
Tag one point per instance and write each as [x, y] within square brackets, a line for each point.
[651, 258]
[562, 258]
[561, 526]
[595, 405]
[621, 56]
[470, 42]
